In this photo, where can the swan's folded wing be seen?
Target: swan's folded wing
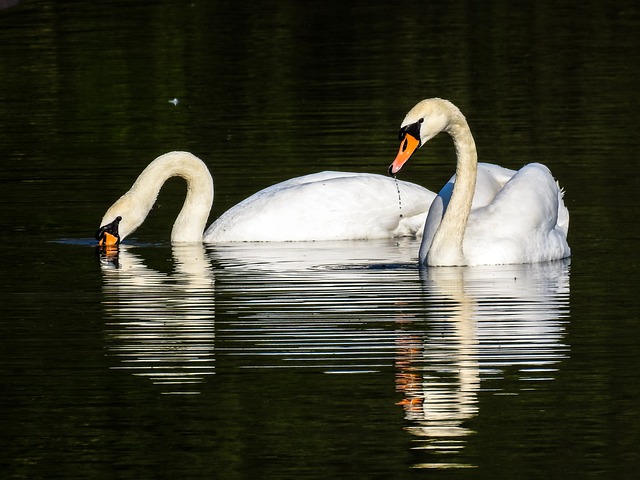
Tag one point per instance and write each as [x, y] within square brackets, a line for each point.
[325, 206]
[436, 211]
[490, 180]
[521, 224]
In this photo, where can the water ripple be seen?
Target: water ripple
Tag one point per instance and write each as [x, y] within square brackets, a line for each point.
[343, 308]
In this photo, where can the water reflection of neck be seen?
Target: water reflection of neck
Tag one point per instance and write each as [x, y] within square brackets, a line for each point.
[457, 352]
[162, 323]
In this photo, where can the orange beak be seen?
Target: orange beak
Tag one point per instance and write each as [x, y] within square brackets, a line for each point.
[408, 145]
[108, 235]
[108, 240]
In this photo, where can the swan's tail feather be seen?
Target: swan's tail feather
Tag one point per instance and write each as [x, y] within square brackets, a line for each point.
[563, 212]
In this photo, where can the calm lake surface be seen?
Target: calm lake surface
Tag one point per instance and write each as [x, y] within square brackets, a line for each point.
[327, 359]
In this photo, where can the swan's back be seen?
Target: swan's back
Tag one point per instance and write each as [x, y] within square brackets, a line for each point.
[326, 206]
[527, 222]
[490, 180]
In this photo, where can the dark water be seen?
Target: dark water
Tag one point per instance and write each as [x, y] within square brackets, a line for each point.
[323, 360]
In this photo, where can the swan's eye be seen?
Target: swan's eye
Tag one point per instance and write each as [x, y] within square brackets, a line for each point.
[412, 129]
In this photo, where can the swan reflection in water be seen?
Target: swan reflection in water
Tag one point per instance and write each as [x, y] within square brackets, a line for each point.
[481, 321]
[295, 305]
[323, 306]
[447, 333]
[161, 325]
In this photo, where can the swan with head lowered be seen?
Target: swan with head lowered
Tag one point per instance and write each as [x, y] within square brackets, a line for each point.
[320, 206]
[520, 218]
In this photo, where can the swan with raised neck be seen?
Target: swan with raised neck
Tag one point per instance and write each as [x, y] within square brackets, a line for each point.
[456, 235]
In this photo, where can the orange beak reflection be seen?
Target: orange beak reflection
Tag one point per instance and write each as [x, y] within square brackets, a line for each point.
[408, 145]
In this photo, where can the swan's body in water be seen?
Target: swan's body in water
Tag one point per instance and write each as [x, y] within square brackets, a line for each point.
[521, 217]
[320, 206]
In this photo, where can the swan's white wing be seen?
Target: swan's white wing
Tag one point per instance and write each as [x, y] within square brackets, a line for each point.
[326, 206]
[521, 225]
[436, 211]
[489, 182]
[312, 178]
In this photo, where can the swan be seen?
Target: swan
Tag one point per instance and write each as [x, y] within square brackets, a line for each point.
[521, 217]
[320, 206]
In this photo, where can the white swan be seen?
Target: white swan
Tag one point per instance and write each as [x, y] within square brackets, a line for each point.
[521, 217]
[321, 206]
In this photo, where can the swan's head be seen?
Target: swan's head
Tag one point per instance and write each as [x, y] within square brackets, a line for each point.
[423, 122]
[108, 235]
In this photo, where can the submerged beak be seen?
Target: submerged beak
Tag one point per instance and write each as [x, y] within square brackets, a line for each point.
[408, 145]
[108, 235]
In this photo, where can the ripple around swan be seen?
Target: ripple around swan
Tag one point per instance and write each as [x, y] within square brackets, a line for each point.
[162, 325]
[313, 305]
[329, 307]
[482, 321]
[446, 334]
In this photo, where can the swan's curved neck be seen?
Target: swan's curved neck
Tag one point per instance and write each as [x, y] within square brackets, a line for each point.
[447, 245]
[134, 206]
